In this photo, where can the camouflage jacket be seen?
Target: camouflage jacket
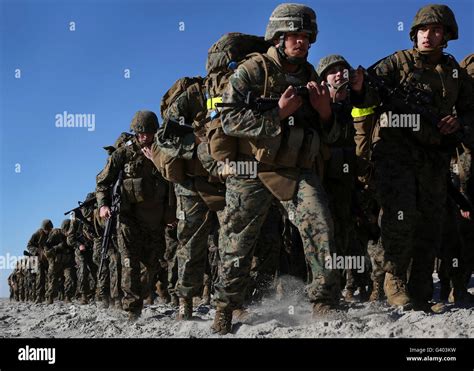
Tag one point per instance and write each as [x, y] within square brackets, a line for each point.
[144, 191]
[250, 76]
[468, 64]
[80, 234]
[447, 83]
[36, 242]
[56, 242]
[461, 172]
[189, 107]
[342, 161]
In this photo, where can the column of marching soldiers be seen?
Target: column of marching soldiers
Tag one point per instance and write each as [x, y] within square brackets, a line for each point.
[332, 178]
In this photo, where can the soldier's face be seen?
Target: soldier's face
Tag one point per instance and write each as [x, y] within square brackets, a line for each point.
[430, 36]
[337, 75]
[296, 44]
[145, 139]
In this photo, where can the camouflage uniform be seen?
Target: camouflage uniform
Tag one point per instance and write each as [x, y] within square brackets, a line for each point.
[13, 285]
[456, 253]
[248, 200]
[171, 239]
[35, 247]
[193, 212]
[69, 265]
[140, 226]
[411, 168]
[55, 245]
[340, 176]
[82, 234]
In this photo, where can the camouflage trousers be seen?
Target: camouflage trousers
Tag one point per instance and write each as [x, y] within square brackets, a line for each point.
[53, 276]
[194, 226]
[247, 205]
[138, 243]
[340, 194]
[86, 272]
[29, 286]
[266, 256]
[411, 188]
[456, 251]
[108, 283]
[171, 239]
[40, 284]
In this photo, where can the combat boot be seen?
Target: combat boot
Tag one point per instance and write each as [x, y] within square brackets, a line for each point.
[175, 300]
[83, 300]
[162, 292]
[50, 300]
[321, 309]
[242, 315]
[39, 300]
[118, 304]
[206, 295]
[67, 300]
[222, 322]
[185, 311]
[349, 296]
[134, 315]
[396, 290]
[104, 302]
[377, 289]
[148, 300]
[460, 296]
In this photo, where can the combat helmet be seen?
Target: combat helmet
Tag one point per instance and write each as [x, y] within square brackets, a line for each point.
[88, 210]
[144, 122]
[47, 224]
[327, 62]
[65, 225]
[435, 14]
[291, 17]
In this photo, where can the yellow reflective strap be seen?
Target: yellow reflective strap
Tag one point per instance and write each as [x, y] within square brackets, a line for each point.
[359, 112]
[211, 102]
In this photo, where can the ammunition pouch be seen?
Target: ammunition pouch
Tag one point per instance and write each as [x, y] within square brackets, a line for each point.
[134, 190]
[295, 147]
[171, 168]
[221, 146]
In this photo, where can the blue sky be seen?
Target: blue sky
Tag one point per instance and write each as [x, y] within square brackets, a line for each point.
[82, 71]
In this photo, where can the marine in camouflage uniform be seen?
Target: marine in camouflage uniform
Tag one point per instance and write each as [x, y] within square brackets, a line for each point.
[35, 247]
[294, 182]
[108, 283]
[68, 262]
[194, 212]
[411, 166]
[340, 174]
[81, 237]
[141, 221]
[55, 246]
[457, 256]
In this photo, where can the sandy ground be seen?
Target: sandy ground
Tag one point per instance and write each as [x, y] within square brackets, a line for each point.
[287, 318]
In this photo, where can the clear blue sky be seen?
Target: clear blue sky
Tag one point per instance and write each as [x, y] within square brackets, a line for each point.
[82, 72]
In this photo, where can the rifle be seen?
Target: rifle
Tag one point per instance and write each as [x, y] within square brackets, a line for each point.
[409, 99]
[111, 222]
[78, 211]
[173, 129]
[405, 99]
[463, 203]
[262, 104]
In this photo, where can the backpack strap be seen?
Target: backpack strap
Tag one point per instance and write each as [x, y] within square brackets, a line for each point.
[262, 58]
